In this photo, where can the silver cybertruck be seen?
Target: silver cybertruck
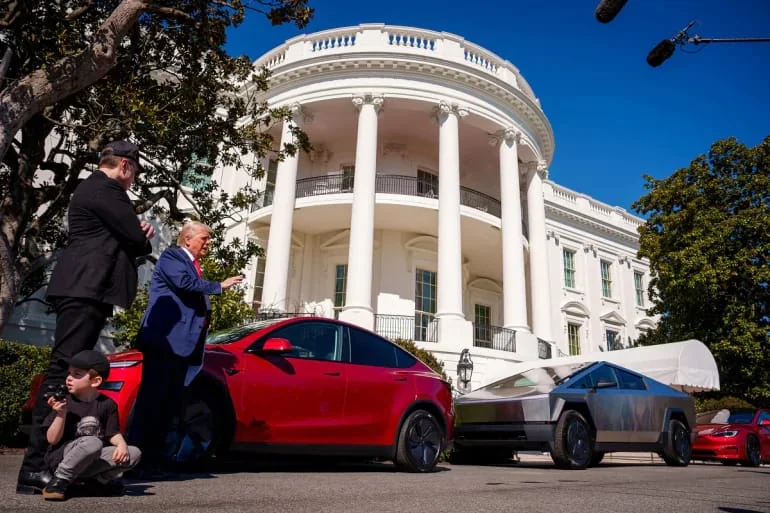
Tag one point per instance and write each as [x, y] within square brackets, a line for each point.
[577, 412]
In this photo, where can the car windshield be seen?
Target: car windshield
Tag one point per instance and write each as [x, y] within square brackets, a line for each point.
[725, 416]
[231, 335]
[539, 378]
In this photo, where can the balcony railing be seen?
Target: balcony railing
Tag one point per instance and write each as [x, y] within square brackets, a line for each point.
[405, 327]
[494, 337]
[384, 184]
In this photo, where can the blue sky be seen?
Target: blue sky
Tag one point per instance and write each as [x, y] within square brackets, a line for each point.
[614, 117]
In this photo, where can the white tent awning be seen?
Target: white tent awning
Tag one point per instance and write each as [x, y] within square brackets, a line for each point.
[688, 366]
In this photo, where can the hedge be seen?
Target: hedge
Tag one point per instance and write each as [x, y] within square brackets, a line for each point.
[721, 403]
[19, 363]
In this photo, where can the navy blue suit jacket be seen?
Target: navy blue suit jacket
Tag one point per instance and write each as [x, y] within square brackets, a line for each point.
[178, 306]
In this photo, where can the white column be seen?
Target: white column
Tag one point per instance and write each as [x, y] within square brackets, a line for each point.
[514, 287]
[358, 294]
[449, 301]
[279, 241]
[538, 257]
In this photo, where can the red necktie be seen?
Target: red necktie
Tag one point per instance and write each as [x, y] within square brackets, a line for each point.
[198, 267]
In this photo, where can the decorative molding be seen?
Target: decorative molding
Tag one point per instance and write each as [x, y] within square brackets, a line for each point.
[590, 247]
[300, 113]
[444, 109]
[553, 234]
[509, 134]
[376, 100]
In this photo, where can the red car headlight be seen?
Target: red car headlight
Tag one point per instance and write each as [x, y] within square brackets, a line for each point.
[725, 434]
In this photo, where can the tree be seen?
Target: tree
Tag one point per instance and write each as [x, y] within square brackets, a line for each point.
[708, 240]
[83, 72]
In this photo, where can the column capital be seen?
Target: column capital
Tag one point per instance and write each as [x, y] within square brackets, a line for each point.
[509, 134]
[445, 108]
[368, 98]
[540, 167]
[298, 112]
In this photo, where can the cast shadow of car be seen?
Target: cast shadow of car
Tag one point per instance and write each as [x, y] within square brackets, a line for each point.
[248, 463]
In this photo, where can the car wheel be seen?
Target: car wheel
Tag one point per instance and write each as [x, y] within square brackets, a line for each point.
[196, 431]
[752, 452]
[678, 450]
[419, 442]
[597, 458]
[573, 441]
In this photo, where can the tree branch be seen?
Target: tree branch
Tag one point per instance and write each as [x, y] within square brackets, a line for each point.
[80, 10]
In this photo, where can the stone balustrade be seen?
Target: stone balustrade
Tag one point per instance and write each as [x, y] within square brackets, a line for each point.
[591, 207]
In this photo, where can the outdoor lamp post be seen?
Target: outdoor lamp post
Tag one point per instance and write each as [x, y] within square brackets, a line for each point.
[465, 368]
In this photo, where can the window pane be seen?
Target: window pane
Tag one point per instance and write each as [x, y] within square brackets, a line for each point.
[630, 381]
[613, 341]
[573, 337]
[424, 302]
[369, 349]
[639, 288]
[569, 268]
[481, 325]
[606, 278]
[259, 282]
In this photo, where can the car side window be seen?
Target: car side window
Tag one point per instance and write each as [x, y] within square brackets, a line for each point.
[313, 340]
[763, 417]
[603, 374]
[404, 360]
[630, 381]
[369, 349]
[583, 383]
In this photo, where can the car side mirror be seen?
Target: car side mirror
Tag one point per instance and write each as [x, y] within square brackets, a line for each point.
[605, 383]
[277, 346]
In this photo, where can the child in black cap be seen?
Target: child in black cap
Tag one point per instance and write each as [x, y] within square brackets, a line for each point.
[84, 433]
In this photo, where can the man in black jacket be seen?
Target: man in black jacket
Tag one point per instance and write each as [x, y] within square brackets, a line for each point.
[95, 272]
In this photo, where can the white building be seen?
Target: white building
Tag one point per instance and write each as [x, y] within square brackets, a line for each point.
[425, 210]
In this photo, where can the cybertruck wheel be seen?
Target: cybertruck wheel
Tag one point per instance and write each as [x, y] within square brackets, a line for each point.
[678, 450]
[419, 442]
[573, 441]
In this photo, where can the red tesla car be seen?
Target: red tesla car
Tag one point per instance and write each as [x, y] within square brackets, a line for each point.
[303, 385]
[733, 436]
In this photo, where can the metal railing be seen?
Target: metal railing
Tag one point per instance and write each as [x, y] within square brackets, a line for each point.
[494, 337]
[384, 184]
[405, 327]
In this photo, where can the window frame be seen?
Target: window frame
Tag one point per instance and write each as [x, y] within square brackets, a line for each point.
[340, 293]
[577, 341]
[639, 288]
[423, 314]
[482, 329]
[606, 280]
[570, 273]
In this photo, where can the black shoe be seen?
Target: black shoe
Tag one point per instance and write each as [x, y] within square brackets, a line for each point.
[30, 483]
[56, 490]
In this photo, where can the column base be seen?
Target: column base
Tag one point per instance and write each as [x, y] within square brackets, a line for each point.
[359, 315]
[454, 333]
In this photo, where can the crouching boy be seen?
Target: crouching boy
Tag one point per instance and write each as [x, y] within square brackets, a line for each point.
[83, 430]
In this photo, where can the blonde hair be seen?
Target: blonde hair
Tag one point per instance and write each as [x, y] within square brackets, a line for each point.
[189, 229]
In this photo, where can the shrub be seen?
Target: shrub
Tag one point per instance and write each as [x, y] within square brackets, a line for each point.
[19, 363]
[719, 403]
[425, 356]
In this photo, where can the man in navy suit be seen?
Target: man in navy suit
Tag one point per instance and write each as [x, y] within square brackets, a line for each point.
[171, 336]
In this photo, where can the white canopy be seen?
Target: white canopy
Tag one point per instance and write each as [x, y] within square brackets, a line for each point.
[688, 366]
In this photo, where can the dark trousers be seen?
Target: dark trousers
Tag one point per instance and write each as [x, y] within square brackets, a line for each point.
[78, 325]
[159, 399]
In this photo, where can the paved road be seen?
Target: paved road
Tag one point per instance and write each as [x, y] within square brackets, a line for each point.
[531, 486]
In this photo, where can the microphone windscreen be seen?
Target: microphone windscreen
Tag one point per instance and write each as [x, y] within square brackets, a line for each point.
[660, 53]
[608, 9]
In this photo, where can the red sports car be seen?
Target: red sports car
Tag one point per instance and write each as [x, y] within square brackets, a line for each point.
[304, 385]
[733, 436]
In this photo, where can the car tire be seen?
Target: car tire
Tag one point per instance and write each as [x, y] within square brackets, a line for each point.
[678, 450]
[753, 454]
[596, 458]
[196, 433]
[573, 441]
[420, 442]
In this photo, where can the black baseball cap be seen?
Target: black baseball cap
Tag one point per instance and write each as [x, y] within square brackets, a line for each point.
[125, 149]
[90, 359]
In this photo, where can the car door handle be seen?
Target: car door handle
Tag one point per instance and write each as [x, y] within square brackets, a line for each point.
[335, 373]
[400, 379]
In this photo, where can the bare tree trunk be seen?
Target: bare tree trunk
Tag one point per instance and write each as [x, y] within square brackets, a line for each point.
[41, 88]
[10, 282]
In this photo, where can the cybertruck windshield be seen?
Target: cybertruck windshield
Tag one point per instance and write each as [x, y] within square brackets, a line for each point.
[540, 379]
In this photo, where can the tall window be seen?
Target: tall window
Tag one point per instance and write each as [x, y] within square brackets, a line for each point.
[573, 337]
[259, 282]
[613, 340]
[639, 288]
[606, 278]
[340, 285]
[348, 176]
[482, 330]
[427, 184]
[272, 170]
[424, 302]
[569, 268]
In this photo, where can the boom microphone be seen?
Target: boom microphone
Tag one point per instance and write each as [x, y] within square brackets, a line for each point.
[660, 53]
[608, 9]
